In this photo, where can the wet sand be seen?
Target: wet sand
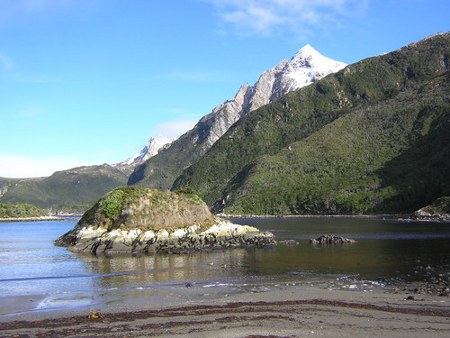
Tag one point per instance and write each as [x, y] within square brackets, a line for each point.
[294, 312]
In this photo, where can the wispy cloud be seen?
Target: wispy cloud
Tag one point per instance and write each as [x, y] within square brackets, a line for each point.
[6, 63]
[174, 128]
[9, 71]
[267, 17]
[15, 166]
[11, 10]
[41, 5]
[33, 79]
[30, 112]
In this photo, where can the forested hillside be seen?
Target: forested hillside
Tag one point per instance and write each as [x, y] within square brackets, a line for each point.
[370, 138]
[73, 190]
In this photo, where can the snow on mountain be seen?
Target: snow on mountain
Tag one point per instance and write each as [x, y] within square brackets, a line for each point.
[155, 144]
[304, 68]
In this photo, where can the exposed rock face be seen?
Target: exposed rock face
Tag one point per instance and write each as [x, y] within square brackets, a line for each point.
[212, 126]
[143, 221]
[326, 240]
[304, 68]
[4, 185]
[224, 234]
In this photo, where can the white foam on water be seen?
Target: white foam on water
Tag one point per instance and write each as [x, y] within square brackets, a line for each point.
[64, 301]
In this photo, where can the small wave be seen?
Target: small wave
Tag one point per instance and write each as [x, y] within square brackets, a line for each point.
[67, 301]
[216, 284]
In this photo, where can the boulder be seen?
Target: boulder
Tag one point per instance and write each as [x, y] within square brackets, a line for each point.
[438, 211]
[325, 240]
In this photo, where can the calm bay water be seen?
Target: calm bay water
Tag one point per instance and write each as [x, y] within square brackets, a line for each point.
[387, 252]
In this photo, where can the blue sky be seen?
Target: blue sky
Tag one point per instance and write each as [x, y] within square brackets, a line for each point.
[89, 81]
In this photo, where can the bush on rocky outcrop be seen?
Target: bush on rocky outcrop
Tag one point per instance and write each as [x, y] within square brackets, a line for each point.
[138, 220]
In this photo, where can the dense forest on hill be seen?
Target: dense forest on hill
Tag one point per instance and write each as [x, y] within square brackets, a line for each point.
[20, 210]
[370, 138]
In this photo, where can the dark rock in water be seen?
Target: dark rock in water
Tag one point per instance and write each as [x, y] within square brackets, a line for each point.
[136, 220]
[331, 240]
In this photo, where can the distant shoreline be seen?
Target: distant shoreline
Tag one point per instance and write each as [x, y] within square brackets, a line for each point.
[375, 216]
[31, 219]
[396, 217]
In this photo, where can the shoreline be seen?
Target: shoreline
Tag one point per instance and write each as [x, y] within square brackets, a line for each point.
[396, 217]
[297, 311]
[32, 219]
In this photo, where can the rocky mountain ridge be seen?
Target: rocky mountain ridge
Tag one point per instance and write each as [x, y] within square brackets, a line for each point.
[371, 138]
[161, 161]
[304, 68]
[154, 145]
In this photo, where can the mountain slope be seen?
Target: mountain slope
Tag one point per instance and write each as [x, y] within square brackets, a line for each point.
[304, 68]
[372, 137]
[72, 190]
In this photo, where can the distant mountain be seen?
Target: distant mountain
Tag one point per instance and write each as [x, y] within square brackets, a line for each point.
[73, 190]
[305, 67]
[162, 160]
[373, 137]
[155, 144]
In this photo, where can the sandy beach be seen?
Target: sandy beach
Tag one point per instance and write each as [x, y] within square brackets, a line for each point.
[293, 312]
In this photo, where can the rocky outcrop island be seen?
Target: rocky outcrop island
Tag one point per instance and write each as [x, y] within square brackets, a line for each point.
[133, 220]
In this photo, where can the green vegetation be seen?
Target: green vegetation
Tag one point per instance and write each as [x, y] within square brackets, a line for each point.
[370, 138]
[189, 193]
[20, 210]
[73, 190]
[366, 161]
[111, 205]
[147, 209]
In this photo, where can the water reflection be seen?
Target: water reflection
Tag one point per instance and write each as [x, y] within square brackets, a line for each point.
[31, 264]
[385, 250]
[167, 268]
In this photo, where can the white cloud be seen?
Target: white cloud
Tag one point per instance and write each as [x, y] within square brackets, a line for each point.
[173, 129]
[15, 166]
[299, 17]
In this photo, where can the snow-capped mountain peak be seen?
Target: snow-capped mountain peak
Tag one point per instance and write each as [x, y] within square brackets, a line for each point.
[304, 68]
[155, 144]
[307, 66]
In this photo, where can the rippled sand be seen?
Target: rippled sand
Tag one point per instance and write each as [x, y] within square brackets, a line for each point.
[290, 312]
